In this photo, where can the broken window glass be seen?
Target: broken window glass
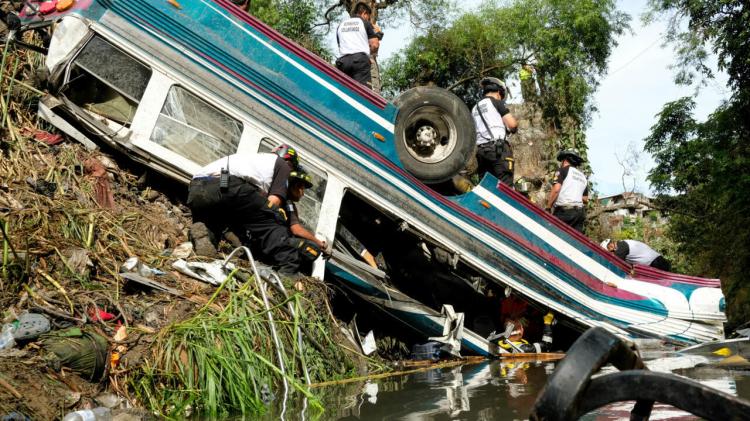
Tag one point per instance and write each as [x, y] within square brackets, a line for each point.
[110, 87]
[190, 127]
[111, 65]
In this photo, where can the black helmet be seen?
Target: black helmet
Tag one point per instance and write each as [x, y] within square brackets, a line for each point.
[301, 175]
[571, 155]
[493, 84]
[288, 153]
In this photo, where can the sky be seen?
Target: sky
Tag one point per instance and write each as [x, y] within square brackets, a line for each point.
[638, 84]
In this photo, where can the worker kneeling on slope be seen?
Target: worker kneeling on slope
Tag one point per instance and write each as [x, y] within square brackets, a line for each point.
[245, 193]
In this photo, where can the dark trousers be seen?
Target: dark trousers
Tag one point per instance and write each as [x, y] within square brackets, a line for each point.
[575, 217]
[357, 66]
[497, 159]
[661, 263]
[241, 208]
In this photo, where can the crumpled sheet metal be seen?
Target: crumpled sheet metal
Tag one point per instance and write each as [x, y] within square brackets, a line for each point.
[215, 273]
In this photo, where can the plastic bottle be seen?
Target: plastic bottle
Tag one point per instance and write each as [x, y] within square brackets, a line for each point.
[6, 337]
[97, 414]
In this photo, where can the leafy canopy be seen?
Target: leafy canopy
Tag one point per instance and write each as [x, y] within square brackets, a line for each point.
[703, 167]
[567, 42]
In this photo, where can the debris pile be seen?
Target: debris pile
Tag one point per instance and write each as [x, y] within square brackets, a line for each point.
[95, 315]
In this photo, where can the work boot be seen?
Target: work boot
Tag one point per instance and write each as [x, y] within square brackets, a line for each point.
[202, 239]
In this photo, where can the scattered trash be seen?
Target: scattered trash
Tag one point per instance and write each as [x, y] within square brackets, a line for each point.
[96, 414]
[30, 326]
[368, 343]
[43, 187]
[215, 273]
[142, 280]
[183, 251]
[14, 416]
[81, 351]
[102, 190]
[95, 313]
[133, 264]
[6, 337]
[48, 138]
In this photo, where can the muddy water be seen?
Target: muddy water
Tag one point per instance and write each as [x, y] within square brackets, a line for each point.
[485, 391]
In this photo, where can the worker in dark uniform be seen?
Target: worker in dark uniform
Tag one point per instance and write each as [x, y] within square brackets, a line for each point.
[245, 193]
[570, 191]
[357, 39]
[493, 121]
[308, 245]
[633, 252]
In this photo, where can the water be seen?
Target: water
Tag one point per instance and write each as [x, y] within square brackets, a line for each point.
[491, 390]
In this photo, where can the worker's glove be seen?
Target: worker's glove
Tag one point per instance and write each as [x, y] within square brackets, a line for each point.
[549, 318]
[307, 249]
[278, 213]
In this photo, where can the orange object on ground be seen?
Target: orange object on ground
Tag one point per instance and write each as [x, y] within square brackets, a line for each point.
[63, 5]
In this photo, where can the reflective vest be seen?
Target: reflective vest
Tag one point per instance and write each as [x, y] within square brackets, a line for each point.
[352, 37]
[489, 124]
[571, 191]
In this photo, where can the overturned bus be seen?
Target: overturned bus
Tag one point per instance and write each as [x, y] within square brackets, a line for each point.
[176, 85]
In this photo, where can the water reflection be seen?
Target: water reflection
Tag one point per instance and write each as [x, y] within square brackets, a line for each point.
[492, 390]
[486, 391]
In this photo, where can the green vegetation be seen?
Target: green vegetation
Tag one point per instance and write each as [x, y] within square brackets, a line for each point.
[224, 359]
[295, 19]
[703, 167]
[567, 43]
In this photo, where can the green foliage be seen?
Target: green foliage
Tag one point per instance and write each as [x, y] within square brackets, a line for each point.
[224, 360]
[295, 19]
[568, 43]
[703, 167]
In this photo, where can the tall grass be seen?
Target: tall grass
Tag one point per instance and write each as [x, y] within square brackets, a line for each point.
[225, 361]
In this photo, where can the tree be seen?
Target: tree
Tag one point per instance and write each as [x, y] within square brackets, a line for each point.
[702, 168]
[567, 43]
[296, 20]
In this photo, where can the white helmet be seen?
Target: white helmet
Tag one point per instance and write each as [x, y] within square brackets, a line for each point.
[605, 243]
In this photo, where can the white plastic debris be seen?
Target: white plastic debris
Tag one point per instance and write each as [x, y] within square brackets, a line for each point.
[215, 273]
[183, 251]
[133, 264]
[368, 343]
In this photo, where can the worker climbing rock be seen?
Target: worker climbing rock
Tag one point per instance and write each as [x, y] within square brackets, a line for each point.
[245, 193]
[570, 191]
[357, 40]
[493, 121]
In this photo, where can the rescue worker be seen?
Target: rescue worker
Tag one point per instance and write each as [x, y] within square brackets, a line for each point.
[512, 338]
[309, 246]
[245, 193]
[493, 121]
[357, 39]
[633, 252]
[570, 191]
